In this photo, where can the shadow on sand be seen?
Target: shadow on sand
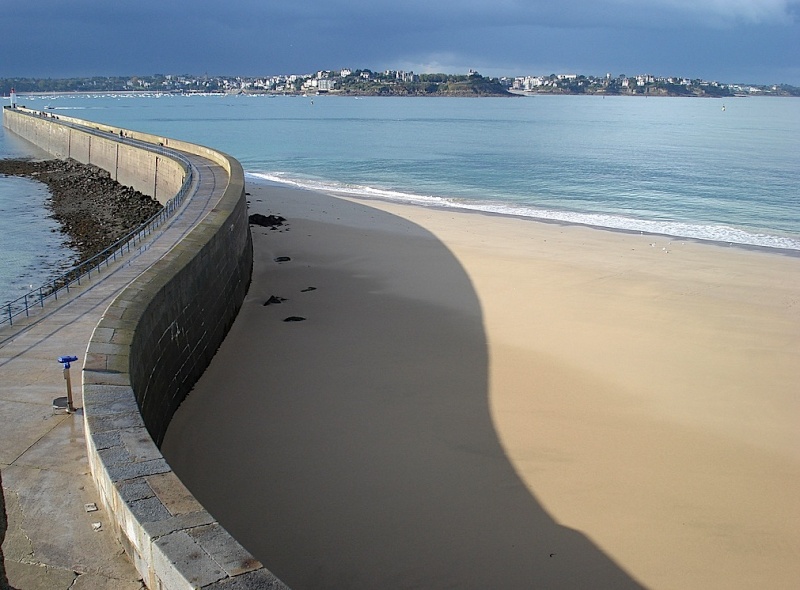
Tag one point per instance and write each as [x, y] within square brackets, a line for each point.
[356, 449]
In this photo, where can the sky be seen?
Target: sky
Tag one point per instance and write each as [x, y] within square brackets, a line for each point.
[734, 41]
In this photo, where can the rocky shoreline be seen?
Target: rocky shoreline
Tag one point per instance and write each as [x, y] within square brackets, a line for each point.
[94, 210]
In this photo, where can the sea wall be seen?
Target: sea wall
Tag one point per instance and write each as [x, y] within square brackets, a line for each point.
[147, 351]
[150, 172]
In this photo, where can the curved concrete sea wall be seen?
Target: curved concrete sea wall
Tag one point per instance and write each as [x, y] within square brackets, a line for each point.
[149, 172]
[147, 351]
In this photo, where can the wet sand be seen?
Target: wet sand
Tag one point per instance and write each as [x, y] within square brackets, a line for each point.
[483, 401]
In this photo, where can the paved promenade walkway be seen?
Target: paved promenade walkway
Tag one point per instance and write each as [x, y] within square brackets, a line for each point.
[52, 541]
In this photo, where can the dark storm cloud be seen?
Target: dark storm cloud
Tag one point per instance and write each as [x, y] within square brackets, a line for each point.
[752, 40]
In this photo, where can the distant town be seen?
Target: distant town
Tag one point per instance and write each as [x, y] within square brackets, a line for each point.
[400, 83]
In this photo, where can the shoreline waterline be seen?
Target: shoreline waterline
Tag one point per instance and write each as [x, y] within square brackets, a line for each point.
[788, 246]
[449, 360]
[670, 167]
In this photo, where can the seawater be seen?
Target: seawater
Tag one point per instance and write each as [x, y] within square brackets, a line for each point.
[696, 168]
[32, 247]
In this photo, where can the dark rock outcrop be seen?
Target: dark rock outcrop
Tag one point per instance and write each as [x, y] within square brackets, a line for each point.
[266, 220]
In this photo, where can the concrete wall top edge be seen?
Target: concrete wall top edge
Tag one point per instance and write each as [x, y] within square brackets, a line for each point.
[221, 158]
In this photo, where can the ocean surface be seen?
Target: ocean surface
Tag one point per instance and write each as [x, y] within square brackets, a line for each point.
[710, 169]
[32, 249]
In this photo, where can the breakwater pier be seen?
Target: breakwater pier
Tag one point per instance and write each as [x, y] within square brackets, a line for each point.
[84, 490]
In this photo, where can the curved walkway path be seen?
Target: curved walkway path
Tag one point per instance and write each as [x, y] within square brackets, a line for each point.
[52, 540]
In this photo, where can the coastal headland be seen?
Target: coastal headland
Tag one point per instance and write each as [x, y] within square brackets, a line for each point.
[427, 397]
[364, 82]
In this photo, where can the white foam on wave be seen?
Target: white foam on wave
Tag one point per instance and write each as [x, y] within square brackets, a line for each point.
[352, 189]
[677, 229]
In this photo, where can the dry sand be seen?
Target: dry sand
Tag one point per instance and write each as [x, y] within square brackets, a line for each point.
[480, 401]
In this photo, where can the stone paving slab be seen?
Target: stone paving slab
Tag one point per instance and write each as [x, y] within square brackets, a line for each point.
[23, 424]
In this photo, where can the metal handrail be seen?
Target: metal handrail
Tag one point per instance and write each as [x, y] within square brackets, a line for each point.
[37, 297]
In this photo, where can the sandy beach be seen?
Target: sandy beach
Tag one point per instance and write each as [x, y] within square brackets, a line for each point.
[475, 401]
